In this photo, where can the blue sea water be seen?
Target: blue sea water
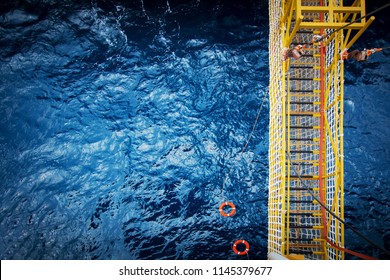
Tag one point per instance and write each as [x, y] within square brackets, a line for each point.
[119, 122]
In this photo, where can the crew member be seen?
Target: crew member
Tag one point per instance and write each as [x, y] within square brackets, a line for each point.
[359, 55]
[295, 52]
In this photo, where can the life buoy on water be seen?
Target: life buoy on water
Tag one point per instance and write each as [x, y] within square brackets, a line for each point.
[241, 253]
[229, 214]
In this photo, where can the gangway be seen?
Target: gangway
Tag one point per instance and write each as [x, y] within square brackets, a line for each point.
[306, 167]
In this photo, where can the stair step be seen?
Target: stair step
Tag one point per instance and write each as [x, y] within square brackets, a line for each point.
[304, 67]
[296, 226]
[305, 95]
[301, 139]
[318, 253]
[302, 176]
[304, 160]
[301, 90]
[311, 55]
[302, 189]
[300, 43]
[301, 127]
[301, 103]
[301, 152]
[300, 62]
[304, 20]
[302, 214]
[306, 226]
[305, 32]
[303, 79]
[303, 114]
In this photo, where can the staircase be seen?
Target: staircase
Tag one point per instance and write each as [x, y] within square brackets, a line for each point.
[304, 151]
[306, 134]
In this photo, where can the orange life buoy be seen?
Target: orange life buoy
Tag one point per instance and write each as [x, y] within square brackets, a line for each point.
[231, 213]
[241, 253]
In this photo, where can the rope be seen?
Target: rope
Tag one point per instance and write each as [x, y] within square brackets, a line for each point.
[356, 20]
[245, 146]
[341, 221]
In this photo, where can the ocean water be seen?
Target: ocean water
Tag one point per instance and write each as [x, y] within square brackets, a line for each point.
[119, 122]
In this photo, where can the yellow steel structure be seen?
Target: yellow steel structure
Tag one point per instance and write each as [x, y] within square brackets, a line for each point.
[306, 125]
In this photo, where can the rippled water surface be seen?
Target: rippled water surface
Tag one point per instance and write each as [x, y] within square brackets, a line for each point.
[119, 123]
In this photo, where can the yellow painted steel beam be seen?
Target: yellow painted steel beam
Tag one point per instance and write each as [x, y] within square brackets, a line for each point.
[360, 32]
[297, 26]
[354, 15]
[295, 257]
[282, 159]
[356, 3]
[287, 10]
[289, 164]
[363, 7]
[330, 25]
[327, 9]
[347, 15]
[331, 138]
[341, 155]
[288, 14]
